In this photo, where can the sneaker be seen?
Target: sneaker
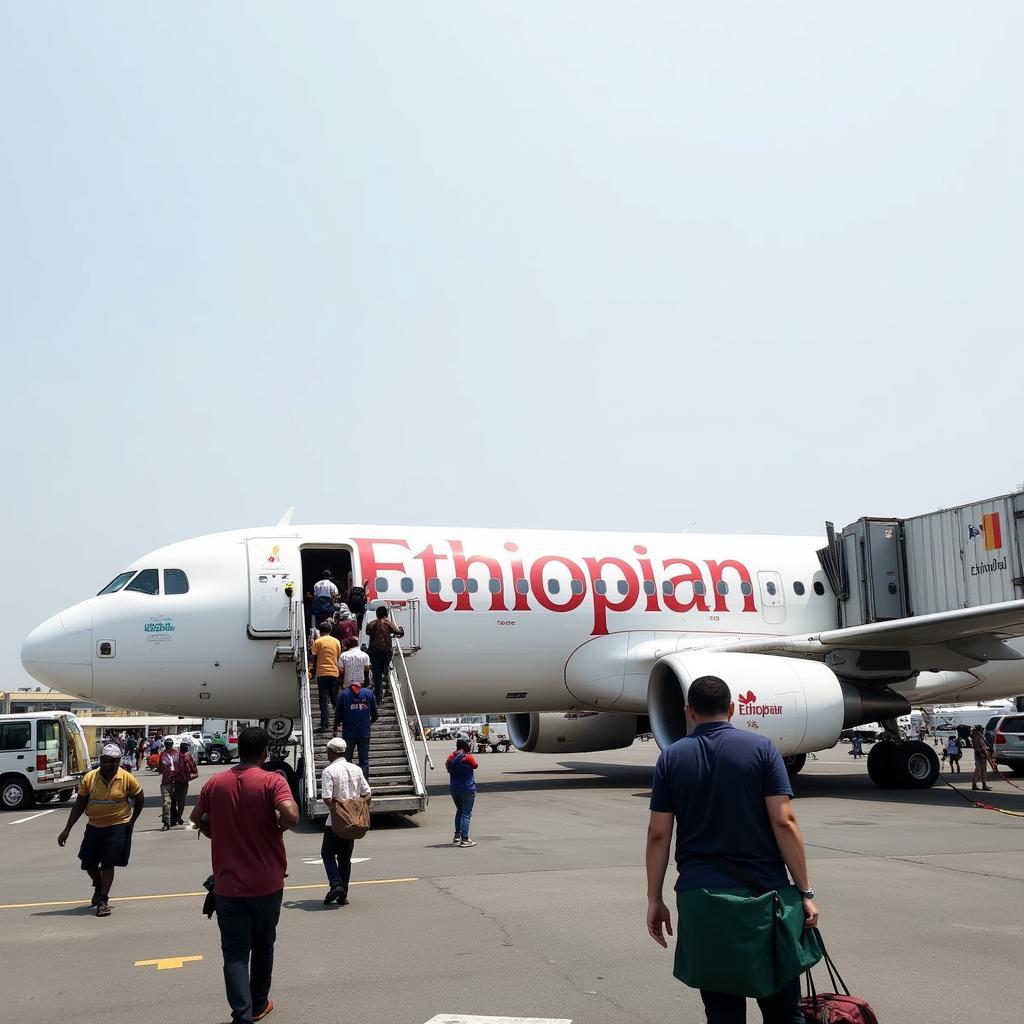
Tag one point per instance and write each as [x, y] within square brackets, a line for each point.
[165, 827]
[467, 842]
[456, 840]
[266, 1009]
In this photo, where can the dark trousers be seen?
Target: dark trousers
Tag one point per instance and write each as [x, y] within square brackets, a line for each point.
[173, 794]
[360, 745]
[781, 1008]
[327, 688]
[380, 666]
[248, 928]
[336, 854]
[463, 812]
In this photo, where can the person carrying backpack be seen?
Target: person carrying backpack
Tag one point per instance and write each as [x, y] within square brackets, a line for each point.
[357, 602]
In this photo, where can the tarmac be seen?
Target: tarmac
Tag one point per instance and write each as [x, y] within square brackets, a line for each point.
[920, 895]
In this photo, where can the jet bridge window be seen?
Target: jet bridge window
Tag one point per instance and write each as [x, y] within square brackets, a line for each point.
[175, 581]
[147, 582]
[116, 583]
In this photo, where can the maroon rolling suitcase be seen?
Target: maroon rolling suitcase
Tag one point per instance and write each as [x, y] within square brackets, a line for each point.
[837, 1007]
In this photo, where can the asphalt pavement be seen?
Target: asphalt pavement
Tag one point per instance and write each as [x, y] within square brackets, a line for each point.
[920, 896]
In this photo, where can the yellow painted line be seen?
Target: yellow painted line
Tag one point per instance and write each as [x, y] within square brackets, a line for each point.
[168, 963]
[180, 895]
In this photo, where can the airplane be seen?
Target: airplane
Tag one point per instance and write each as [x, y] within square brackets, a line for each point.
[583, 639]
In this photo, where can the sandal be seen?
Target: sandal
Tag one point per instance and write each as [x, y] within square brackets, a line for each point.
[103, 908]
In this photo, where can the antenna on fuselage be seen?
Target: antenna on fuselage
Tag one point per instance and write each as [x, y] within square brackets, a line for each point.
[286, 519]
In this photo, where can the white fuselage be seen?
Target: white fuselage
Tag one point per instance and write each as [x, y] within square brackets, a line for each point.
[506, 617]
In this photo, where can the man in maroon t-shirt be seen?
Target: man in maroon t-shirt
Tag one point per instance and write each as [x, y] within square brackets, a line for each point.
[245, 811]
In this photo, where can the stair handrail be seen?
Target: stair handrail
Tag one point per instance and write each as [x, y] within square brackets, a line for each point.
[427, 760]
[298, 624]
[418, 785]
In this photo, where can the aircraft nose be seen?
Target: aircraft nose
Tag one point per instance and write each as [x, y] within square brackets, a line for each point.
[58, 652]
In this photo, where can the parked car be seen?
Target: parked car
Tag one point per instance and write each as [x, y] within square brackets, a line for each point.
[1008, 743]
[43, 756]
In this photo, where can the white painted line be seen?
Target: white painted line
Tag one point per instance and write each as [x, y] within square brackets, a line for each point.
[318, 860]
[472, 1018]
[32, 817]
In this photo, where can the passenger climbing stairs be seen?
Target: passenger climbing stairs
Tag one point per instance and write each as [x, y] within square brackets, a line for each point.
[396, 776]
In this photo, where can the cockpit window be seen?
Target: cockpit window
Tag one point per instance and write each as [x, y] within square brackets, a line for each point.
[175, 582]
[147, 582]
[116, 583]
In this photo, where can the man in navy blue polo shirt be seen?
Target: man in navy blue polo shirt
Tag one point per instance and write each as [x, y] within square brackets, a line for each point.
[728, 791]
[355, 713]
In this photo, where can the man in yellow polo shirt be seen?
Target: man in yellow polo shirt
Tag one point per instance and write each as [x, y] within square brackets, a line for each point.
[104, 796]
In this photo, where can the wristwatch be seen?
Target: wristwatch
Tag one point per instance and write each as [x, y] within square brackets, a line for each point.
[806, 894]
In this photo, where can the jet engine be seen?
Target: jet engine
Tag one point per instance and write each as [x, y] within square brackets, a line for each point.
[799, 705]
[573, 733]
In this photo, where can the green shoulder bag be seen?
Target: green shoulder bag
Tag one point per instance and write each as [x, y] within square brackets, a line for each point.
[745, 942]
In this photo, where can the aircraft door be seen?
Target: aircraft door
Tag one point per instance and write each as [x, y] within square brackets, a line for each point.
[773, 597]
[273, 562]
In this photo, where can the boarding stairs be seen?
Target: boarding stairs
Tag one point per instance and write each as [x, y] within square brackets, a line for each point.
[396, 776]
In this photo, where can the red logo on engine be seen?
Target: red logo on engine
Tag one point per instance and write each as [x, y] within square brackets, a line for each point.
[749, 706]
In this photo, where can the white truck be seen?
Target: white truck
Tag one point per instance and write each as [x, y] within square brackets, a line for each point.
[43, 756]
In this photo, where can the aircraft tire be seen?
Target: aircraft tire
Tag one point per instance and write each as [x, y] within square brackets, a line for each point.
[795, 763]
[914, 765]
[880, 765]
[285, 769]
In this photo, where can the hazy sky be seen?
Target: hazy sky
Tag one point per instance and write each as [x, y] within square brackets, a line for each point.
[600, 265]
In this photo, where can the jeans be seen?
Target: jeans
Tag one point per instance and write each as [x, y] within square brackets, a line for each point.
[360, 744]
[248, 928]
[336, 854]
[463, 812]
[380, 667]
[173, 794]
[327, 689]
[781, 1008]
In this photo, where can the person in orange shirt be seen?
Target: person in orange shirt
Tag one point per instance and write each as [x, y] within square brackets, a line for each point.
[326, 651]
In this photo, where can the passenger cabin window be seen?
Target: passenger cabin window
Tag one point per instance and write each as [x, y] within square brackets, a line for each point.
[722, 587]
[494, 586]
[472, 585]
[523, 586]
[649, 587]
[576, 586]
[819, 588]
[700, 588]
[745, 588]
[175, 582]
[798, 588]
[433, 585]
[600, 587]
[458, 586]
[15, 735]
[622, 587]
[381, 585]
[147, 582]
[553, 586]
[116, 583]
[771, 588]
[407, 584]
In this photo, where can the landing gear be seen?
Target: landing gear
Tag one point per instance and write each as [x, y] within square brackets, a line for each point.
[282, 767]
[795, 763]
[907, 765]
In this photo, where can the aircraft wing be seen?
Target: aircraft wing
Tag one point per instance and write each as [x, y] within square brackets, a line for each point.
[974, 634]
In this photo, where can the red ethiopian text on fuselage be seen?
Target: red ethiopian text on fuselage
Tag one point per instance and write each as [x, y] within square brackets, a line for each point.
[611, 583]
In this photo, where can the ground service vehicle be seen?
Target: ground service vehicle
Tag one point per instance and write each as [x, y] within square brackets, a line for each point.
[43, 756]
[1008, 743]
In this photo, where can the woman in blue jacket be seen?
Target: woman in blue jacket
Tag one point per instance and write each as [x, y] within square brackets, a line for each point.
[461, 764]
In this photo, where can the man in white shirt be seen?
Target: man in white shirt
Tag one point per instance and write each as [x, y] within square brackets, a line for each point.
[341, 780]
[325, 593]
[354, 664]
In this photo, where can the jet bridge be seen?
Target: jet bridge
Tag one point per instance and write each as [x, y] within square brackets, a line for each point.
[963, 557]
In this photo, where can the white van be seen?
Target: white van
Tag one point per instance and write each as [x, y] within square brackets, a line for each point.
[43, 756]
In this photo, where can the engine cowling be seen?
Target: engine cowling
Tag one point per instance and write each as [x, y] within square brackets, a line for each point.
[579, 733]
[799, 705]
